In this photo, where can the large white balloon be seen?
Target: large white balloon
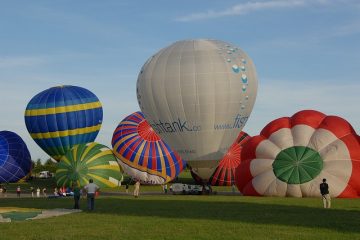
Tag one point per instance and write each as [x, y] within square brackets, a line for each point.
[197, 95]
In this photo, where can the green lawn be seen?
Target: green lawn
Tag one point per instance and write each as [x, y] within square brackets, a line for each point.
[190, 217]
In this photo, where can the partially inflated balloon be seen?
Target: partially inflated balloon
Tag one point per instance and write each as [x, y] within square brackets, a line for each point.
[62, 117]
[88, 161]
[197, 95]
[142, 154]
[15, 159]
[292, 155]
[224, 174]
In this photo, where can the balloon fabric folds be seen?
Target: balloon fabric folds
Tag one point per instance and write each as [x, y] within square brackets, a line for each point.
[292, 155]
[142, 154]
[15, 159]
[224, 174]
[198, 95]
[62, 117]
[89, 161]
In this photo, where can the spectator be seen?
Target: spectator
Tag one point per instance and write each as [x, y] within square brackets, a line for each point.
[18, 191]
[4, 191]
[137, 189]
[233, 188]
[32, 190]
[324, 190]
[91, 190]
[38, 192]
[127, 187]
[76, 191]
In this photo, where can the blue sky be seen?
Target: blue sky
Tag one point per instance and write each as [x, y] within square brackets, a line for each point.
[306, 52]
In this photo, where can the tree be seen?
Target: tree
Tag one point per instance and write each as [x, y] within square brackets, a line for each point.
[37, 167]
[50, 166]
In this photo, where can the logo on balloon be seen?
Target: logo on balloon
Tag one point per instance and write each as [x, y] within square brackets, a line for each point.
[239, 122]
[176, 126]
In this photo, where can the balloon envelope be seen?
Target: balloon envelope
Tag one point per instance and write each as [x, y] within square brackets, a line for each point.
[197, 95]
[15, 159]
[88, 161]
[62, 117]
[142, 154]
[292, 155]
[224, 174]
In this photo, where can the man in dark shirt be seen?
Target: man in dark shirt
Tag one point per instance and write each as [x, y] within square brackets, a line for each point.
[324, 190]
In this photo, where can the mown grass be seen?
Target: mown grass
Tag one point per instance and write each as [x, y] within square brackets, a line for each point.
[190, 217]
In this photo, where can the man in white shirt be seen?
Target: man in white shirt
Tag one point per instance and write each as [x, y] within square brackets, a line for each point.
[91, 190]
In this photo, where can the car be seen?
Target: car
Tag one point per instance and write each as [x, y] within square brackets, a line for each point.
[180, 188]
[45, 174]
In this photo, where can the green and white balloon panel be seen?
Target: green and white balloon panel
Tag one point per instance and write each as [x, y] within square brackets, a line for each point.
[89, 161]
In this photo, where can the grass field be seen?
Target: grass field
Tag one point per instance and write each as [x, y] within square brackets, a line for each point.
[184, 217]
[190, 217]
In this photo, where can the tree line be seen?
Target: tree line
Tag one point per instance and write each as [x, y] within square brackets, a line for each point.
[38, 166]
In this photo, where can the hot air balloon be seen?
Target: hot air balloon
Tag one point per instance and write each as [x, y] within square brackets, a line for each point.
[292, 155]
[15, 159]
[142, 154]
[224, 174]
[198, 95]
[62, 117]
[89, 161]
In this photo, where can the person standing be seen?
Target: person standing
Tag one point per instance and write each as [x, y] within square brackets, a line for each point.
[91, 190]
[44, 192]
[324, 190]
[38, 192]
[127, 188]
[4, 191]
[32, 190]
[165, 188]
[77, 194]
[233, 189]
[18, 191]
[137, 189]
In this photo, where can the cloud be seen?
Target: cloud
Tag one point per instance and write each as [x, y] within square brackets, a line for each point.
[346, 29]
[21, 61]
[252, 6]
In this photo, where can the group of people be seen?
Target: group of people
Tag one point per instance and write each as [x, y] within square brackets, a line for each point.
[136, 188]
[62, 192]
[32, 190]
[91, 189]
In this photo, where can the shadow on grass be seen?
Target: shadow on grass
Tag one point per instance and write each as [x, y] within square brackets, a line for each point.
[242, 212]
[333, 219]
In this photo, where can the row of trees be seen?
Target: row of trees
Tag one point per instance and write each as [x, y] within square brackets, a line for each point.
[38, 166]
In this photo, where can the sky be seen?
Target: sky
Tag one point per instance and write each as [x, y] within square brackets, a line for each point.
[306, 52]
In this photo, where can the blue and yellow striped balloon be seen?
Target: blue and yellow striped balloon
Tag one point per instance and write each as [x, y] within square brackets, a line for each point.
[62, 117]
